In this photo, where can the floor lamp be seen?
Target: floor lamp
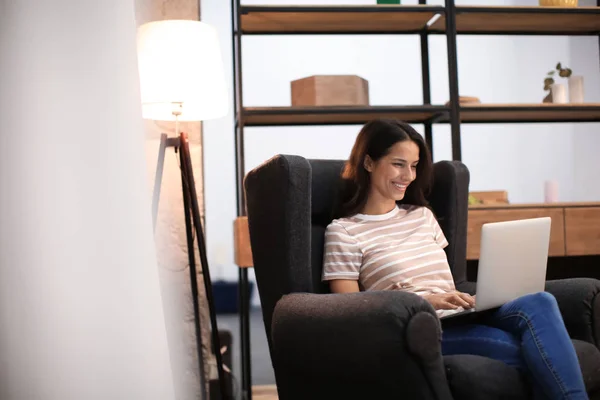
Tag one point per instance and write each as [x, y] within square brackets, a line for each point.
[182, 79]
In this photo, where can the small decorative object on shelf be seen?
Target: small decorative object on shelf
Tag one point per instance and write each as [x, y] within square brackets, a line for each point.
[330, 90]
[474, 200]
[466, 100]
[558, 3]
[551, 191]
[558, 91]
[388, 1]
[576, 89]
[493, 197]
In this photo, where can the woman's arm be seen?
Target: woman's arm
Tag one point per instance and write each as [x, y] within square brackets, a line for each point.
[342, 259]
[343, 286]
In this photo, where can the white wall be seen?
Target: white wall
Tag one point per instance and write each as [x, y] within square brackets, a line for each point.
[81, 315]
[497, 69]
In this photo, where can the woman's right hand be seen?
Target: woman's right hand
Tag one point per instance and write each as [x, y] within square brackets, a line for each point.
[451, 301]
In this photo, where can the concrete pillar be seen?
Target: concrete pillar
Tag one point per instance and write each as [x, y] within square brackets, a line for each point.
[81, 315]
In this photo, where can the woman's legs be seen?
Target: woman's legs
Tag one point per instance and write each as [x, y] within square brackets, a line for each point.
[485, 341]
[546, 346]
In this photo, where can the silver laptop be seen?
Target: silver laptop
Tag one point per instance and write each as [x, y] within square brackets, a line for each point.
[512, 262]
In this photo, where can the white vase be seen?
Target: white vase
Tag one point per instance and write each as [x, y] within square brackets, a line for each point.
[551, 191]
[576, 89]
[559, 93]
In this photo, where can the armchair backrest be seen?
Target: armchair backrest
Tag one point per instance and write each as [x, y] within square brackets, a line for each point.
[290, 202]
[449, 200]
[324, 190]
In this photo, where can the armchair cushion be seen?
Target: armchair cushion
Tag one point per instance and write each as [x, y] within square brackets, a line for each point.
[475, 377]
[589, 360]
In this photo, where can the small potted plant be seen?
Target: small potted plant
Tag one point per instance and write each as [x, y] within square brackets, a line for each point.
[557, 92]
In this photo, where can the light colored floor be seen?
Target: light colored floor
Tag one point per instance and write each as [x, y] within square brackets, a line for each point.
[264, 392]
[263, 377]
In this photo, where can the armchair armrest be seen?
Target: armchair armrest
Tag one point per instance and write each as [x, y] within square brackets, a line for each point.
[579, 303]
[357, 345]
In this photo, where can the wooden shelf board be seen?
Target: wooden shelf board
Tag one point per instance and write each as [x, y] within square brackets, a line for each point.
[269, 116]
[544, 112]
[534, 205]
[524, 20]
[336, 19]
[477, 113]
[413, 19]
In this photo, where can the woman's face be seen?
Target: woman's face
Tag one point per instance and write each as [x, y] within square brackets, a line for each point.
[391, 174]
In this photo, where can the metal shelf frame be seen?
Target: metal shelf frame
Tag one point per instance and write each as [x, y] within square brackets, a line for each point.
[451, 114]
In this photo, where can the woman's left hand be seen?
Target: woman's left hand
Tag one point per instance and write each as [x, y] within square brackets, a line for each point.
[467, 297]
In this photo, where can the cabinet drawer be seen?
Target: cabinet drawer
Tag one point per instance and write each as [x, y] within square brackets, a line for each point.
[479, 217]
[582, 226]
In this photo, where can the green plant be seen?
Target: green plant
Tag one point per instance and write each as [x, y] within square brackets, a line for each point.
[474, 200]
[562, 72]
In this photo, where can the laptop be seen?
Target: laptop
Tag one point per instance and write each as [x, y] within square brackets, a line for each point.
[512, 263]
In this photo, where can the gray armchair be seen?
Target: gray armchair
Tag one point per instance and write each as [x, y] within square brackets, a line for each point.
[376, 345]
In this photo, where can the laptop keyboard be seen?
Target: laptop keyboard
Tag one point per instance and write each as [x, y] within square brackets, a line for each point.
[447, 313]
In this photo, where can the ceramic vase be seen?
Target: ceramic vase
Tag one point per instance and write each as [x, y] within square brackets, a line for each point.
[576, 89]
[559, 93]
[551, 191]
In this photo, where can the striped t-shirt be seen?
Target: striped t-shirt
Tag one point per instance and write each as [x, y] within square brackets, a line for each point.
[399, 250]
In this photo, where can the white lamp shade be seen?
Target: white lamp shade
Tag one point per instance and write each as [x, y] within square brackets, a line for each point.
[180, 63]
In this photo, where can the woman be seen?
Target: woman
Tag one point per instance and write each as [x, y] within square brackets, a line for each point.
[386, 238]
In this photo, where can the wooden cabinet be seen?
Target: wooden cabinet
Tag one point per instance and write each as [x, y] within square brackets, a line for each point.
[582, 230]
[241, 241]
[479, 217]
[575, 226]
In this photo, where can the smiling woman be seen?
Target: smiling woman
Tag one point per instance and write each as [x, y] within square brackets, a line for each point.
[390, 176]
[384, 217]
[386, 238]
[393, 155]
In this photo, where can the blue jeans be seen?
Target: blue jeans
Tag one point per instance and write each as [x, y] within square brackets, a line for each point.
[529, 334]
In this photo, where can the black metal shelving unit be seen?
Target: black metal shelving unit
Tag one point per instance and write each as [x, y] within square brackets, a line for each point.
[422, 20]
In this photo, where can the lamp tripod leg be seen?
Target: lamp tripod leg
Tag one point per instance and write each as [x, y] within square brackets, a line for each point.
[193, 278]
[192, 220]
[189, 188]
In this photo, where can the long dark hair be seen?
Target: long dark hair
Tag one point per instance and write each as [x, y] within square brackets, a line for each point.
[375, 140]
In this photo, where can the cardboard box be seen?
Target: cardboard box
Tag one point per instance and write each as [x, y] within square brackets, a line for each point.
[330, 90]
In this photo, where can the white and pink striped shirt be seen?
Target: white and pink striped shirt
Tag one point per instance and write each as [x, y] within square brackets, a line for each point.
[399, 250]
